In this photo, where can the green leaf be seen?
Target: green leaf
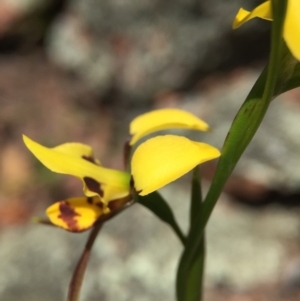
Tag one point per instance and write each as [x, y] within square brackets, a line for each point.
[294, 80]
[289, 75]
[243, 128]
[156, 203]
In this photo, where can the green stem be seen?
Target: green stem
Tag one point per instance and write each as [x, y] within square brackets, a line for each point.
[202, 257]
[241, 133]
[195, 285]
[196, 197]
[191, 287]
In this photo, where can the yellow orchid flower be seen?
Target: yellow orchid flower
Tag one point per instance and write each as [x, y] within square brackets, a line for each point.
[102, 186]
[163, 119]
[155, 163]
[291, 30]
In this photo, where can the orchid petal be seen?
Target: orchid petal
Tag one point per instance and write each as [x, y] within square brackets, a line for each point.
[75, 214]
[108, 184]
[263, 11]
[291, 31]
[164, 119]
[78, 150]
[163, 159]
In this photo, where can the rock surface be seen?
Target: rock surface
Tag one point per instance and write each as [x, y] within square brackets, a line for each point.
[139, 48]
[135, 256]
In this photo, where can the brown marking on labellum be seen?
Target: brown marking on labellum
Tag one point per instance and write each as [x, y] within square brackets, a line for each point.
[93, 185]
[90, 200]
[68, 214]
[100, 205]
[90, 159]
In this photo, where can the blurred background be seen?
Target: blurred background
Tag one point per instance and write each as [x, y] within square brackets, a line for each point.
[80, 71]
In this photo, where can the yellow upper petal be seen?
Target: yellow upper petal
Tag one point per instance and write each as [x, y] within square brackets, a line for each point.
[164, 119]
[108, 184]
[291, 31]
[163, 159]
[263, 11]
[75, 214]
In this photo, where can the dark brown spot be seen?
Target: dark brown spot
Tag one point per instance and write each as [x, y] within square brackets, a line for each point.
[90, 200]
[93, 185]
[126, 152]
[90, 159]
[100, 205]
[131, 182]
[68, 214]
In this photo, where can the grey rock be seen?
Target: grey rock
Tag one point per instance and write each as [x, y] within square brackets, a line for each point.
[142, 47]
[126, 263]
[291, 276]
[135, 256]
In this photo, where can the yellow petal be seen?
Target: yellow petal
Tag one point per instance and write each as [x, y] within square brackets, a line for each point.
[291, 31]
[163, 159]
[107, 183]
[263, 11]
[164, 119]
[75, 214]
[77, 150]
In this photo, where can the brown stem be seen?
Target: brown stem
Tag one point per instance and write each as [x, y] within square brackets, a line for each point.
[78, 275]
[126, 153]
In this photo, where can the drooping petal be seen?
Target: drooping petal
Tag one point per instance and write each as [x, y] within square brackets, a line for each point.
[263, 11]
[163, 159]
[75, 214]
[108, 184]
[164, 119]
[291, 30]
